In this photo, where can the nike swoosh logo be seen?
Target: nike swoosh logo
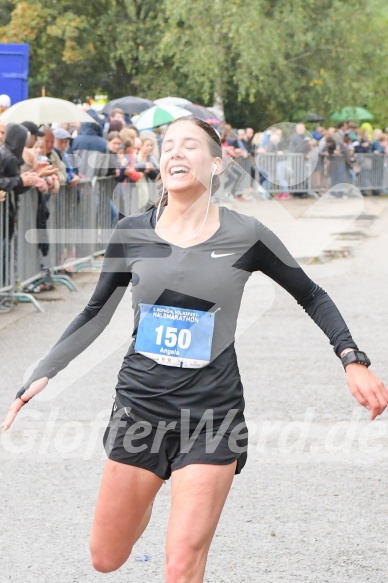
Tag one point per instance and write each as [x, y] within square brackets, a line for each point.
[215, 255]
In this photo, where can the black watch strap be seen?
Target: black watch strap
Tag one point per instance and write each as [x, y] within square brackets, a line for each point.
[355, 356]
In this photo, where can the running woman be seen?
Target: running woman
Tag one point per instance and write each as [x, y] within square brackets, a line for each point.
[179, 405]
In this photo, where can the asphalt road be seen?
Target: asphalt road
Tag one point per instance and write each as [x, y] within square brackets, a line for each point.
[311, 505]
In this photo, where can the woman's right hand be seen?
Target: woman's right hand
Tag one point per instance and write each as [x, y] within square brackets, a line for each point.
[35, 388]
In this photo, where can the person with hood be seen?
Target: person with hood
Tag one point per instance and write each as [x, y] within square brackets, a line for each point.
[11, 161]
[90, 154]
[11, 179]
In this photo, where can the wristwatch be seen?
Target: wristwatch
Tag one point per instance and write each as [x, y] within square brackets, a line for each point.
[355, 356]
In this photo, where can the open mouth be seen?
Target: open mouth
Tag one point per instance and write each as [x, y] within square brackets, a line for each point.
[174, 170]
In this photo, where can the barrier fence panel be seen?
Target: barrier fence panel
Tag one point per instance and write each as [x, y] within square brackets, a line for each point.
[63, 222]
[244, 183]
[82, 217]
[125, 199]
[131, 198]
[6, 246]
[85, 205]
[294, 173]
[371, 171]
[367, 173]
[153, 192]
[11, 238]
[284, 173]
[107, 214]
[385, 176]
[28, 254]
[72, 225]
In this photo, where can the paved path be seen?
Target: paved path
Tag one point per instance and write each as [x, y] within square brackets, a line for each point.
[310, 506]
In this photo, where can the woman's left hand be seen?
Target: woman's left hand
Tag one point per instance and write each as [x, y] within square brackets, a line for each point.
[369, 390]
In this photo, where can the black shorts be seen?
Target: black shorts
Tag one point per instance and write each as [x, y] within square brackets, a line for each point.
[130, 440]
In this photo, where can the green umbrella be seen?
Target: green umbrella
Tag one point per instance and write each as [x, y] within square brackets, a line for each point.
[353, 114]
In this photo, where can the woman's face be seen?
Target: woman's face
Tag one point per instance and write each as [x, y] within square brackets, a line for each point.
[186, 162]
[38, 147]
[147, 147]
[114, 145]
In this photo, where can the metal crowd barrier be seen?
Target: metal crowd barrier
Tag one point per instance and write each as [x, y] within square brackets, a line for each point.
[372, 172]
[284, 172]
[6, 254]
[10, 294]
[72, 225]
[295, 173]
[81, 219]
[130, 198]
[28, 260]
[245, 181]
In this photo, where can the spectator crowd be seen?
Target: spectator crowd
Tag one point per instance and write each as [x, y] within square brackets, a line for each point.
[283, 161]
[332, 155]
[65, 153]
[42, 159]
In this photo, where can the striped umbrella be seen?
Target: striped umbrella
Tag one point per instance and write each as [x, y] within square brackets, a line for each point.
[157, 116]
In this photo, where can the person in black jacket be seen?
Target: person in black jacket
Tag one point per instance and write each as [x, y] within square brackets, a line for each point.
[11, 160]
[12, 180]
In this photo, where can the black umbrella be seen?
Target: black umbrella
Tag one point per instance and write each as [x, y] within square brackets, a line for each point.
[129, 104]
[313, 117]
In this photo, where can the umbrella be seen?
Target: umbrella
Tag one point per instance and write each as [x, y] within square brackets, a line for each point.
[45, 110]
[129, 104]
[197, 110]
[212, 121]
[177, 101]
[157, 116]
[201, 112]
[313, 117]
[352, 113]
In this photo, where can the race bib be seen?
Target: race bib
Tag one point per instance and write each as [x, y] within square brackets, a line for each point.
[175, 336]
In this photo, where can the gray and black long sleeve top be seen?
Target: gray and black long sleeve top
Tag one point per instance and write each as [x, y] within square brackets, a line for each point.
[209, 276]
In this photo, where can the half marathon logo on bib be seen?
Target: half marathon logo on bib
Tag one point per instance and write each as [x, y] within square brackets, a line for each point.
[175, 336]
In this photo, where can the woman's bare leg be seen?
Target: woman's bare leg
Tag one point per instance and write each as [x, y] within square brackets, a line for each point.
[122, 513]
[199, 492]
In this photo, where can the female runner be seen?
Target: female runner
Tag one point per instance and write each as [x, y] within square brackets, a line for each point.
[179, 406]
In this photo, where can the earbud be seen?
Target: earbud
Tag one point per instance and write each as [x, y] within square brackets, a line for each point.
[215, 168]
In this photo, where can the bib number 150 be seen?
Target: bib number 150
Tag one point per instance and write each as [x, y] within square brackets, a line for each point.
[172, 337]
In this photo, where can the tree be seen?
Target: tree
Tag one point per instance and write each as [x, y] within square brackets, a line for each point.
[268, 60]
[80, 48]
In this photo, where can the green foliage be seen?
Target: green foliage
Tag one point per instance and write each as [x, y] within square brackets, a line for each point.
[268, 60]
[5, 12]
